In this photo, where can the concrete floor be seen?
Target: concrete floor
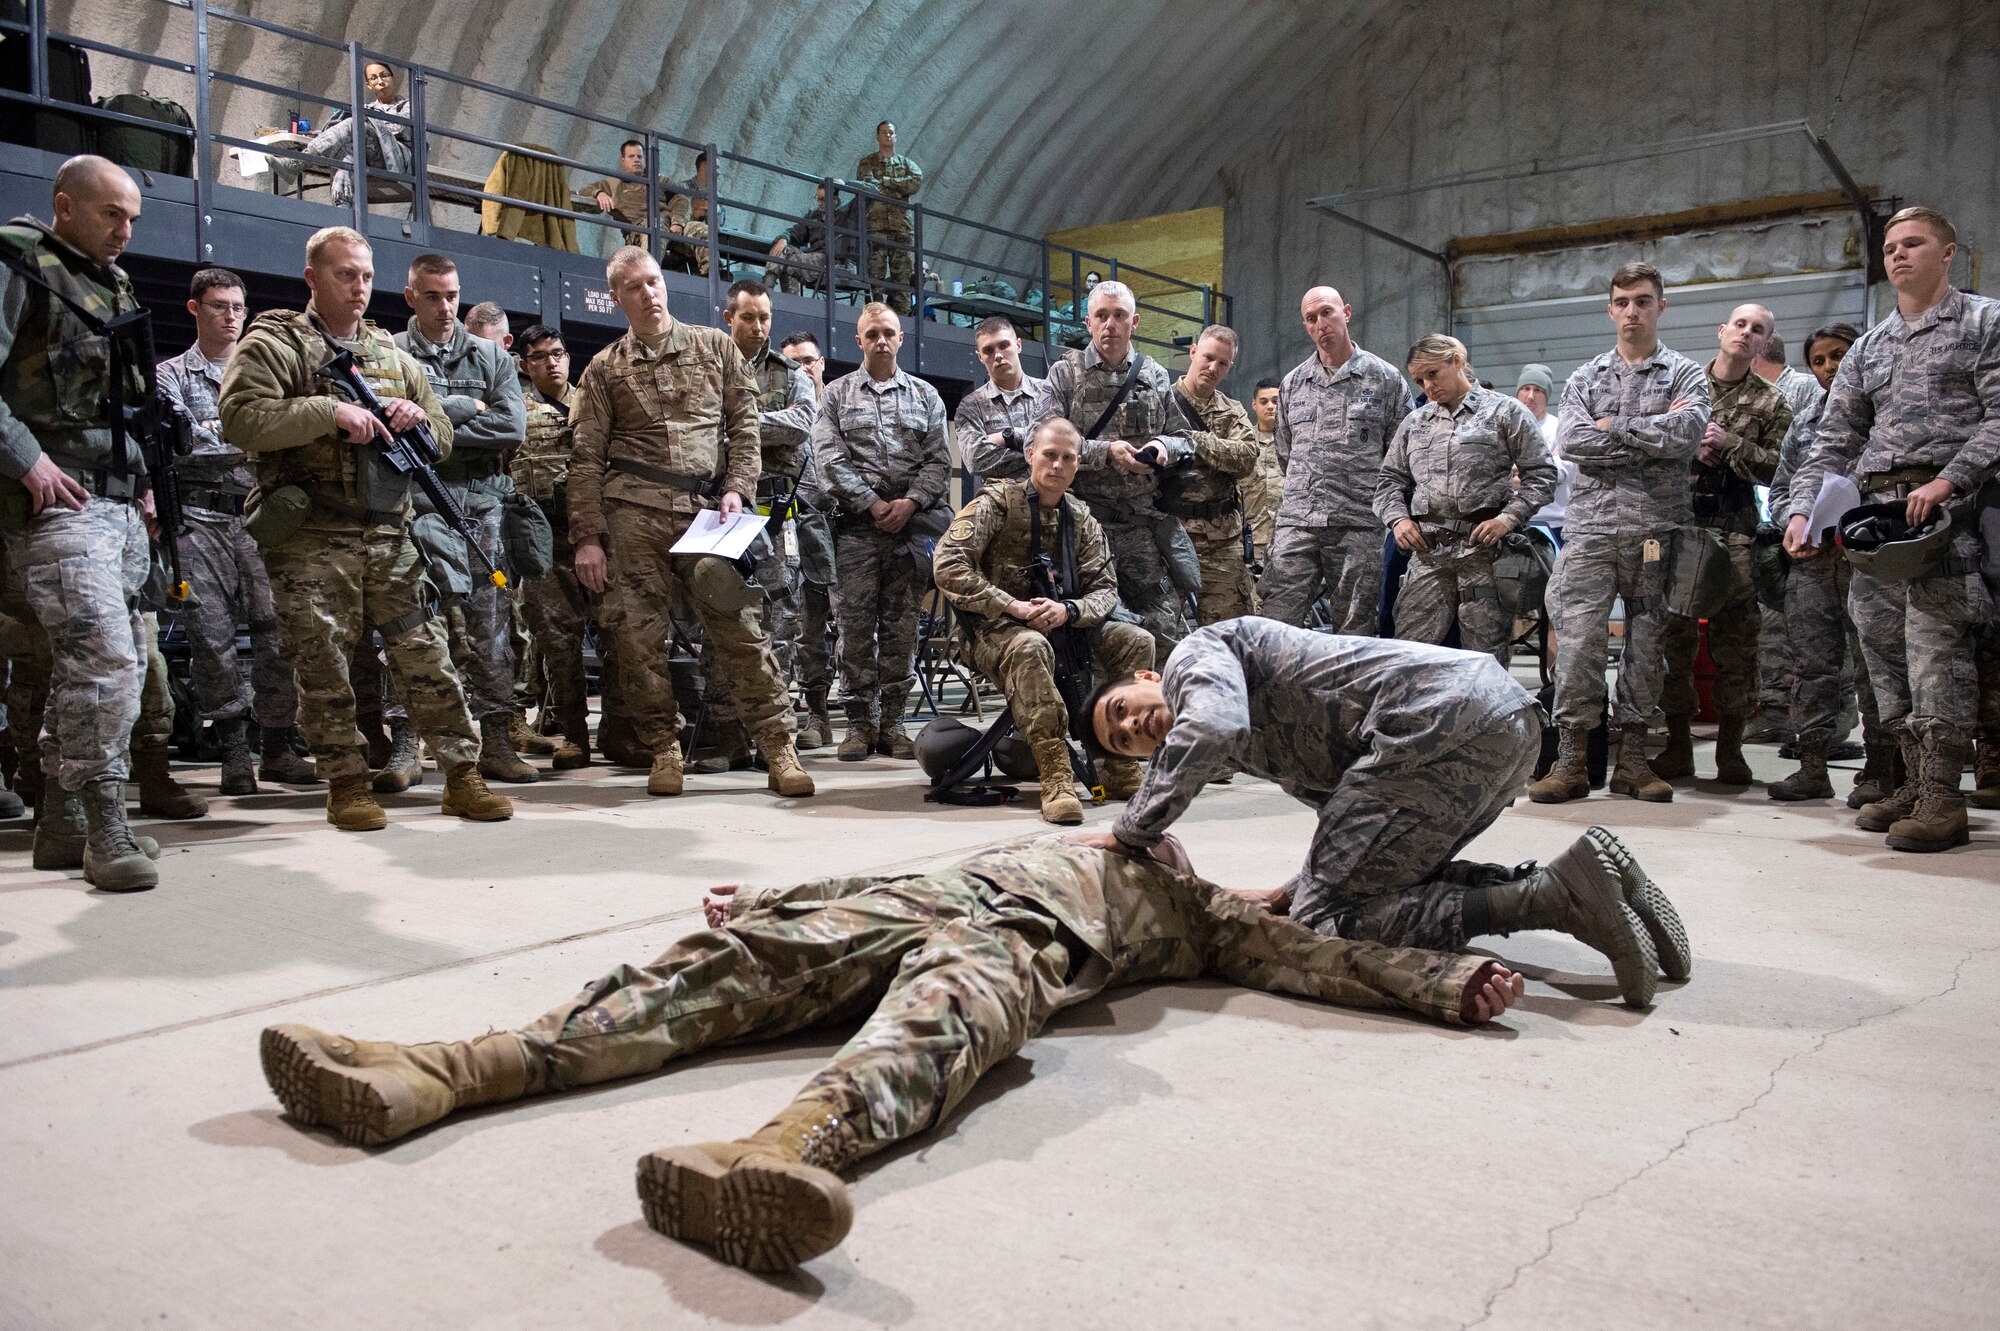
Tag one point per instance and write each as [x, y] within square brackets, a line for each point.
[1802, 1136]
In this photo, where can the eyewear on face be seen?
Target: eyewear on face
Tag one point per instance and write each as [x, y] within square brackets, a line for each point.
[214, 307]
[541, 357]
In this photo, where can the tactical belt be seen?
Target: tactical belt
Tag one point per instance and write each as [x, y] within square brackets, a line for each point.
[215, 501]
[476, 468]
[402, 624]
[710, 488]
[1897, 482]
[1220, 508]
[1461, 526]
[100, 482]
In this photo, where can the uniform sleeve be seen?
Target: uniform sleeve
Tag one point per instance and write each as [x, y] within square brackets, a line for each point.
[1096, 577]
[1176, 436]
[1232, 450]
[1396, 482]
[1534, 470]
[1979, 456]
[743, 455]
[836, 466]
[1576, 428]
[1791, 452]
[801, 405]
[590, 437]
[1281, 436]
[1838, 438]
[260, 411]
[909, 180]
[1401, 404]
[933, 478]
[1754, 456]
[19, 450]
[1672, 435]
[956, 565]
[1211, 731]
[993, 461]
[172, 381]
[504, 423]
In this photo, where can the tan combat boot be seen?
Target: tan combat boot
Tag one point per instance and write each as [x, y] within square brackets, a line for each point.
[160, 796]
[858, 743]
[525, 738]
[574, 751]
[1676, 761]
[351, 808]
[1937, 821]
[497, 758]
[466, 795]
[371, 1091]
[1810, 782]
[1568, 778]
[1731, 767]
[1059, 802]
[784, 773]
[1632, 776]
[1121, 777]
[1879, 815]
[1986, 775]
[666, 777]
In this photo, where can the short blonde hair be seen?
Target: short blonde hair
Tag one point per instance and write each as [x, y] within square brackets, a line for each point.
[1930, 217]
[1434, 347]
[876, 309]
[1058, 425]
[333, 235]
[1222, 333]
[625, 256]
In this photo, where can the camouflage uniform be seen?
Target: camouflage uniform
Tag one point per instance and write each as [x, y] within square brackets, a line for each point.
[989, 409]
[1408, 751]
[557, 606]
[890, 252]
[352, 566]
[1208, 501]
[1724, 498]
[878, 440]
[79, 571]
[651, 423]
[1630, 496]
[1450, 469]
[1080, 387]
[982, 567]
[1263, 491]
[1333, 428]
[628, 203]
[1915, 400]
[221, 563]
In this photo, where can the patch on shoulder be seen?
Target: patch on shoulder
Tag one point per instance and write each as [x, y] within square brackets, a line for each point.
[960, 530]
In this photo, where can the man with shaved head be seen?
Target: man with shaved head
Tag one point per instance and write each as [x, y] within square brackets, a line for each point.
[1336, 415]
[74, 508]
[1738, 452]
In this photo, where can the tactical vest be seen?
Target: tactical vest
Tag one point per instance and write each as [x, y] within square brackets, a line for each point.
[541, 463]
[774, 390]
[348, 481]
[57, 378]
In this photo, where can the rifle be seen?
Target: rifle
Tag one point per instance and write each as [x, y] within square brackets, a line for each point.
[413, 453]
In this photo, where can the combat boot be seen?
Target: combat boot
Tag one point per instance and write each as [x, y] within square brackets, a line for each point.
[817, 732]
[1731, 768]
[1121, 777]
[1656, 914]
[372, 1091]
[1632, 776]
[351, 808]
[1568, 778]
[28, 781]
[619, 742]
[466, 795]
[1581, 893]
[11, 804]
[1937, 822]
[59, 829]
[525, 738]
[238, 776]
[1880, 773]
[379, 743]
[113, 861]
[1985, 776]
[497, 758]
[405, 767]
[1810, 782]
[858, 743]
[160, 796]
[1879, 815]
[666, 778]
[729, 753]
[574, 751]
[1676, 761]
[784, 773]
[279, 761]
[890, 737]
[1059, 802]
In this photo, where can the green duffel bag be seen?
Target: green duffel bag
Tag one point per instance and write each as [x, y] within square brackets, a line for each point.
[1699, 576]
[527, 537]
[161, 151]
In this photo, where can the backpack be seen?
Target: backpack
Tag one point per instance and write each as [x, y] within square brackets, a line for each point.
[160, 152]
[1521, 571]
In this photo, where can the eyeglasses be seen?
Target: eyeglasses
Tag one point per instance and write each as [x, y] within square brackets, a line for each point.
[234, 307]
[541, 357]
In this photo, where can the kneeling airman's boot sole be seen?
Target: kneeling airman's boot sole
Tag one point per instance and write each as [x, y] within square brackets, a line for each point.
[762, 1213]
[1650, 904]
[367, 1106]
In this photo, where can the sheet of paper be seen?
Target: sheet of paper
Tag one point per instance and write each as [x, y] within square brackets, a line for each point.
[1837, 497]
[711, 534]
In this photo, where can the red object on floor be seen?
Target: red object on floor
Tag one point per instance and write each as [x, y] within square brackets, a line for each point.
[1704, 676]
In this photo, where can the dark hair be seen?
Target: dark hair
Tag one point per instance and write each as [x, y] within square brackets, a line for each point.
[431, 265]
[993, 327]
[700, 160]
[1774, 349]
[213, 279]
[878, 125]
[745, 286]
[630, 143]
[1085, 726]
[1263, 384]
[1847, 333]
[1635, 272]
[797, 340]
[533, 335]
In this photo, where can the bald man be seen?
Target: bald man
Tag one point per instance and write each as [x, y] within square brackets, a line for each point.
[74, 509]
[1738, 452]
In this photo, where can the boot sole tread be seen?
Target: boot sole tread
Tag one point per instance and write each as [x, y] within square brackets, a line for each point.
[759, 1214]
[318, 1092]
[1615, 928]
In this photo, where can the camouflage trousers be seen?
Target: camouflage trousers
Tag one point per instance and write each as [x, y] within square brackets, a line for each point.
[1591, 572]
[558, 610]
[1147, 595]
[1732, 644]
[481, 623]
[815, 659]
[782, 584]
[1384, 834]
[1453, 582]
[1919, 640]
[948, 975]
[1344, 564]
[221, 561]
[79, 572]
[1225, 579]
[890, 258]
[331, 589]
[1824, 646]
[641, 578]
[1776, 672]
[1022, 663]
[876, 603]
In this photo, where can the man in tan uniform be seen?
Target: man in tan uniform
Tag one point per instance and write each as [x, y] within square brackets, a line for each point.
[1206, 499]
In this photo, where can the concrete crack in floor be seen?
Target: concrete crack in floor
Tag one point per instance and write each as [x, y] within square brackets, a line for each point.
[1770, 1085]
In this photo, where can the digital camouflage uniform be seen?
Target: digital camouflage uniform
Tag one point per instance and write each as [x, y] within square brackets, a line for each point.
[878, 439]
[1777, 672]
[890, 249]
[221, 563]
[649, 424]
[989, 409]
[1408, 752]
[1263, 490]
[79, 571]
[982, 567]
[1630, 496]
[1724, 498]
[1450, 469]
[1333, 428]
[1208, 501]
[352, 566]
[1080, 387]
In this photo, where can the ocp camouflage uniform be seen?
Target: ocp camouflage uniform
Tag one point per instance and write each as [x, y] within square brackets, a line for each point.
[653, 424]
[1333, 428]
[557, 606]
[1263, 491]
[990, 409]
[982, 567]
[1408, 752]
[80, 570]
[1630, 496]
[890, 254]
[628, 203]
[1450, 469]
[1724, 498]
[878, 440]
[1209, 503]
[220, 562]
[352, 565]
[1145, 543]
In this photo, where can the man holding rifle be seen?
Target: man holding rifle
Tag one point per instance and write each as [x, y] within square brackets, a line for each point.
[332, 519]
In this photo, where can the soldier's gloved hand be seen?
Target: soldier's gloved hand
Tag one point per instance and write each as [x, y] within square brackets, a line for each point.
[589, 565]
[1409, 536]
[47, 484]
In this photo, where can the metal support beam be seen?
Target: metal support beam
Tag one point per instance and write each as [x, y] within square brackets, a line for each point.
[1441, 260]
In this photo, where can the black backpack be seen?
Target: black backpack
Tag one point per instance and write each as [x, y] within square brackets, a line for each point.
[157, 151]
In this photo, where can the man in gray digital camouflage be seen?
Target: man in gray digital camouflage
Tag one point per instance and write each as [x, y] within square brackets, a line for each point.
[1336, 415]
[817, 574]
[1462, 472]
[1913, 418]
[1631, 420]
[1205, 496]
[994, 421]
[950, 973]
[1408, 752]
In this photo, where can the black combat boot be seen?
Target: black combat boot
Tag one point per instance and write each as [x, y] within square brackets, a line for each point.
[238, 776]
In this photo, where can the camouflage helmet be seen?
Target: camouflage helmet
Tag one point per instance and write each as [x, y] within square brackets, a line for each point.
[943, 744]
[1879, 542]
[1770, 566]
[1521, 571]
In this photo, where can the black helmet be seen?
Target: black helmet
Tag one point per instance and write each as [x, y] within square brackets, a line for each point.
[943, 744]
[1016, 758]
[1879, 542]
